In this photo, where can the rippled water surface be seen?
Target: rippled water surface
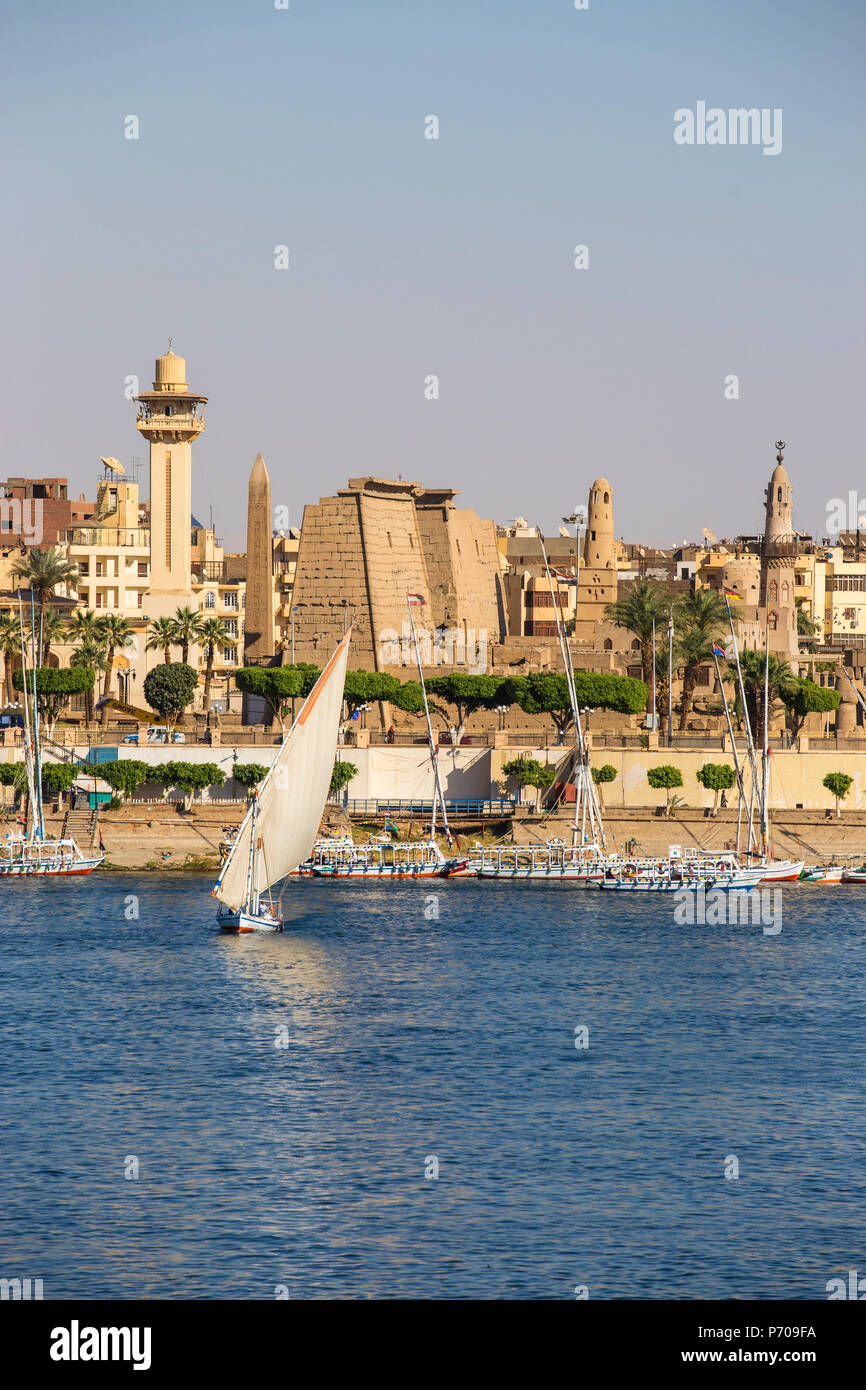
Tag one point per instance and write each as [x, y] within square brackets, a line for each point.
[412, 1038]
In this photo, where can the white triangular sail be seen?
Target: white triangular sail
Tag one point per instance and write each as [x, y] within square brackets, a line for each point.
[292, 797]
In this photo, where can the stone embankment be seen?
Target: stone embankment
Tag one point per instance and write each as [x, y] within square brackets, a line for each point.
[161, 837]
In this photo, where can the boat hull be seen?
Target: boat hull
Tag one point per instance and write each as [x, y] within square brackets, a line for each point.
[247, 922]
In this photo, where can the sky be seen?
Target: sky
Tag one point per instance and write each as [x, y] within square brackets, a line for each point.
[411, 258]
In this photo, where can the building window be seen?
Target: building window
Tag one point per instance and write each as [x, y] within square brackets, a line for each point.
[209, 599]
[142, 569]
[140, 603]
[84, 568]
[230, 601]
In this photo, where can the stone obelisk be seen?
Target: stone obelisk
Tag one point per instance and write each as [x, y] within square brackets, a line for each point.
[259, 613]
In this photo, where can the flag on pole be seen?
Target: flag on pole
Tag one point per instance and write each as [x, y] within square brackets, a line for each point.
[417, 599]
[732, 593]
[719, 651]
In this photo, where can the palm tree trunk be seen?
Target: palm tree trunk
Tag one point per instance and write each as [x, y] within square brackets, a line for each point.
[184, 653]
[166, 655]
[686, 705]
[208, 677]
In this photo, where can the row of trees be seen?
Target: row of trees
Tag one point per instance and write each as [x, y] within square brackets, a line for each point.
[455, 697]
[700, 620]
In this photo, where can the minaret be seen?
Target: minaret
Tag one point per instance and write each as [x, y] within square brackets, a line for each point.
[170, 417]
[259, 613]
[598, 547]
[598, 573]
[777, 562]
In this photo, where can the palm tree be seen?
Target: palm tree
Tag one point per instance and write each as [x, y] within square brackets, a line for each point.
[781, 681]
[214, 636]
[84, 625]
[700, 619]
[43, 571]
[54, 631]
[91, 655]
[115, 632]
[187, 625]
[161, 637]
[10, 646]
[636, 612]
[806, 626]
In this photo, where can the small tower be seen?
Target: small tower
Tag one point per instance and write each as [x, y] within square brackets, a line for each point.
[777, 562]
[170, 417]
[598, 573]
[598, 547]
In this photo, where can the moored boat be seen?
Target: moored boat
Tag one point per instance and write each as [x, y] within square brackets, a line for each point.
[855, 875]
[832, 873]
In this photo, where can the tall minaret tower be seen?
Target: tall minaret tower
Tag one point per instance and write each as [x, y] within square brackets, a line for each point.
[170, 417]
[777, 562]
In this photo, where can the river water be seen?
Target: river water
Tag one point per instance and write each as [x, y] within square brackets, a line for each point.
[286, 1101]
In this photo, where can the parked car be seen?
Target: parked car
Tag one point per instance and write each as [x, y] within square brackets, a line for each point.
[158, 733]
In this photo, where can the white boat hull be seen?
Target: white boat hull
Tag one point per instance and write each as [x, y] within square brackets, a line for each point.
[243, 921]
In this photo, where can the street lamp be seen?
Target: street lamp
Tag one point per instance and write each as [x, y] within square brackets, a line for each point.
[502, 711]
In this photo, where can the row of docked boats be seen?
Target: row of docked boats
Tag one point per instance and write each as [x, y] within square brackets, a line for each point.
[553, 861]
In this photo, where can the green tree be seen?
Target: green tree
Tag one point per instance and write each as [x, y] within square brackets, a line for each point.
[214, 637]
[125, 775]
[667, 776]
[169, 689]
[43, 571]
[278, 685]
[160, 637]
[409, 697]
[115, 632]
[807, 698]
[601, 775]
[89, 656]
[58, 777]
[543, 692]
[806, 626]
[644, 602]
[10, 646]
[838, 784]
[54, 629]
[528, 772]
[187, 625]
[369, 687]
[465, 694]
[191, 778]
[341, 776]
[716, 777]
[782, 684]
[700, 619]
[249, 774]
[55, 687]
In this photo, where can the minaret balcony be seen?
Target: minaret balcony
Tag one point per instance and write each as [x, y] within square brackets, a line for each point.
[159, 424]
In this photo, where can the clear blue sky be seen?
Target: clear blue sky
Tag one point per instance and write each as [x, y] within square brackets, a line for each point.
[409, 257]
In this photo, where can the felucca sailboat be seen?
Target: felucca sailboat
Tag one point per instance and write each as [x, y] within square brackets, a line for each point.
[280, 828]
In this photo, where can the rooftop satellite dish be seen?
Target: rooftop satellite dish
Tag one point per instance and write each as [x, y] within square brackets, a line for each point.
[563, 531]
[708, 536]
[114, 466]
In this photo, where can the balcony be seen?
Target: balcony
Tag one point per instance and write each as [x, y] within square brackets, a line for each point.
[159, 424]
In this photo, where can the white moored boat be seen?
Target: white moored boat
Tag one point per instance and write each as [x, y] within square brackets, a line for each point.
[832, 873]
[388, 859]
[280, 827]
[39, 858]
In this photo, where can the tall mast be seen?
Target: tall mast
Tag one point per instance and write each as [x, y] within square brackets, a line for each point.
[586, 797]
[740, 781]
[28, 738]
[750, 742]
[765, 768]
[434, 759]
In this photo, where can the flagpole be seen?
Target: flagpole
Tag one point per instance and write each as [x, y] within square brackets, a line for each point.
[433, 754]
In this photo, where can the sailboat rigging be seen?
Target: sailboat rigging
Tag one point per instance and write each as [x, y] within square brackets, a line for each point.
[280, 828]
